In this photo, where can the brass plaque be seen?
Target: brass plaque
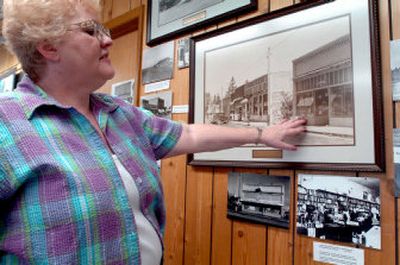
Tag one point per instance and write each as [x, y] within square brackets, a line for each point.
[267, 153]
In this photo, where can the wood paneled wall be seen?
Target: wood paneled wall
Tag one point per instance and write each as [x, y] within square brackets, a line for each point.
[198, 231]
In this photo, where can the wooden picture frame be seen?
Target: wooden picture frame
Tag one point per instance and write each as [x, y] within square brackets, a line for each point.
[165, 22]
[319, 60]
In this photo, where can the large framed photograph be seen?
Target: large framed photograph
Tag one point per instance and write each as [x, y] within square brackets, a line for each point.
[318, 60]
[167, 19]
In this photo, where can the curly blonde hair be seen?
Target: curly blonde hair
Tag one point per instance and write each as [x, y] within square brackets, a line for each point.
[28, 22]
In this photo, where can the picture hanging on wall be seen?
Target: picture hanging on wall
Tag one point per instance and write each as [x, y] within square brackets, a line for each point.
[159, 104]
[7, 81]
[158, 62]
[395, 67]
[318, 60]
[167, 19]
[340, 208]
[259, 198]
[183, 53]
[124, 90]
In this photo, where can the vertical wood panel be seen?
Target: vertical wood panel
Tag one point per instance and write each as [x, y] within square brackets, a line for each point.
[124, 57]
[174, 183]
[198, 216]
[249, 243]
[115, 8]
[395, 7]
[7, 61]
[278, 4]
[263, 6]
[280, 241]
[221, 225]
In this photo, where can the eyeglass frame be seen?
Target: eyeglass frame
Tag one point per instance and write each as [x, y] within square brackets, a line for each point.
[99, 29]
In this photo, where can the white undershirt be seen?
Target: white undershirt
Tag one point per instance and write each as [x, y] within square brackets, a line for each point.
[149, 242]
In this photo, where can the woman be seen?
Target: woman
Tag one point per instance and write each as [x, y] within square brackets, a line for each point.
[79, 182]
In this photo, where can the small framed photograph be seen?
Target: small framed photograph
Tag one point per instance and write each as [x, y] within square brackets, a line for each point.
[259, 198]
[160, 104]
[124, 90]
[395, 67]
[8, 81]
[167, 19]
[260, 71]
[340, 208]
[158, 63]
[183, 53]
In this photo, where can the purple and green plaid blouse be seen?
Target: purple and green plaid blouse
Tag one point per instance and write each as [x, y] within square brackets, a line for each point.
[62, 200]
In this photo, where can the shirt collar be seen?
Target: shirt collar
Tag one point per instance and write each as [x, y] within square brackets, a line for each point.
[33, 97]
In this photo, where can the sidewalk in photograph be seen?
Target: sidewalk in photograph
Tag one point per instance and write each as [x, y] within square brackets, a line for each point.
[331, 130]
[323, 130]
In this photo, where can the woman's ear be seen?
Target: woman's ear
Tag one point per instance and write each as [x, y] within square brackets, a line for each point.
[48, 50]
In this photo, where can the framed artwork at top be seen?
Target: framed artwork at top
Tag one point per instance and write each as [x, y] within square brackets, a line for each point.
[167, 19]
[319, 60]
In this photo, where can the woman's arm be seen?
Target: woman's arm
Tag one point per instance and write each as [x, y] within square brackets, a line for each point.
[197, 138]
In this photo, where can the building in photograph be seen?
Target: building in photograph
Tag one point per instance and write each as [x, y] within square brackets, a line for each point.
[156, 105]
[323, 84]
[247, 102]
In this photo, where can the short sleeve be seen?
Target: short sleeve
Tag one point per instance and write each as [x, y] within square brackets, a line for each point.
[162, 133]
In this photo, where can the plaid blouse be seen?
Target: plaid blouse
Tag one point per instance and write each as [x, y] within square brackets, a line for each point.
[62, 200]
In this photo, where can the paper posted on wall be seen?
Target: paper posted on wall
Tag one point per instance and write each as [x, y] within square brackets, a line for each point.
[396, 160]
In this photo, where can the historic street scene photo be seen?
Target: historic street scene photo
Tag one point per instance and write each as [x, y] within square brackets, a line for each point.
[259, 198]
[340, 208]
[264, 80]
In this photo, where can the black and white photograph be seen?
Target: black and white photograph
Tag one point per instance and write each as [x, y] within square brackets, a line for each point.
[340, 208]
[158, 63]
[167, 19]
[259, 198]
[268, 81]
[251, 75]
[7, 82]
[183, 53]
[160, 104]
[124, 90]
[395, 67]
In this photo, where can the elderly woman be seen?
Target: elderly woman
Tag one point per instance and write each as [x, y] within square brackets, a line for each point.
[79, 182]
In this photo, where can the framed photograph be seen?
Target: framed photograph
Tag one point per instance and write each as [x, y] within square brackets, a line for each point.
[395, 67]
[124, 90]
[8, 81]
[160, 104]
[259, 198]
[167, 19]
[183, 53]
[318, 60]
[158, 62]
[340, 208]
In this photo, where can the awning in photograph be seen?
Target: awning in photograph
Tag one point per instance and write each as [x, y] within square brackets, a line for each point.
[236, 100]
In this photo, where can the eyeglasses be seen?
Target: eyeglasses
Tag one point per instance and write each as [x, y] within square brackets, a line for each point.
[93, 28]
